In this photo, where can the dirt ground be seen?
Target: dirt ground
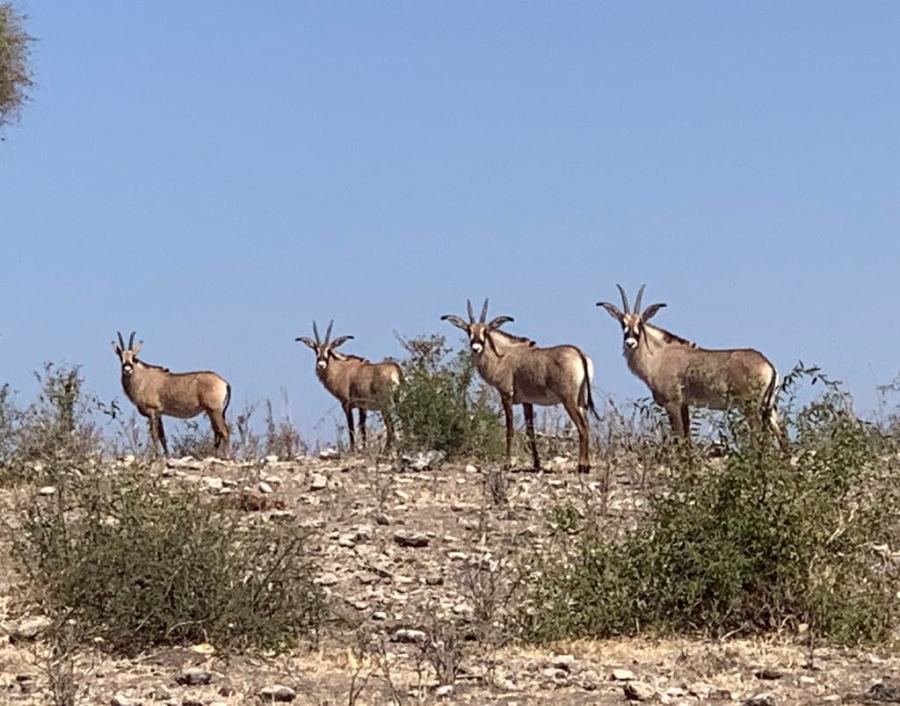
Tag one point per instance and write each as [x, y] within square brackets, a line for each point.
[363, 515]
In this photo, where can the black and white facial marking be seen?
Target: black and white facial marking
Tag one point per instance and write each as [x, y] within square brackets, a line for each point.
[477, 338]
[323, 355]
[632, 329]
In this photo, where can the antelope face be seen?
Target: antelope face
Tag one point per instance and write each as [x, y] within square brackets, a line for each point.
[477, 338]
[632, 320]
[324, 350]
[631, 331]
[127, 355]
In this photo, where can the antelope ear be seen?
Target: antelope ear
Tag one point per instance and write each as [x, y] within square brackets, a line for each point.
[306, 341]
[456, 321]
[498, 322]
[137, 347]
[651, 311]
[340, 341]
[116, 349]
[612, 310]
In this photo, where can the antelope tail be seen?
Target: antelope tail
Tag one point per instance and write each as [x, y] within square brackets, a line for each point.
[585, 392]
[768, 400]
[227, 397]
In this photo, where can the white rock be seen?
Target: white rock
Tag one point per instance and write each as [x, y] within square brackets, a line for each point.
[564, 661]
[278, 692]
[444, 691]
[638, 691]
[622, 675]
[264, 487]
[122, 700]
[271, 458]
[47, 490]
[329, 453]
[31, 628]
[408, 635]
[212, 483]
[318, 482]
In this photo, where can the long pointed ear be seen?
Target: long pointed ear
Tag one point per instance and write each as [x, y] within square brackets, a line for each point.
[340, 341]
[306, 341]
[612, 310]
[456, 321]
[498, 321]
[651, 311]
[135, 349]
[116, 348]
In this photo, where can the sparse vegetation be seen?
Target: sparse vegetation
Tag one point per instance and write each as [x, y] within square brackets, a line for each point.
[135, 563]
[759, 542]
[442, 406]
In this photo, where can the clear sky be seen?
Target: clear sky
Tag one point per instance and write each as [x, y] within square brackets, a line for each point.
[217, 174]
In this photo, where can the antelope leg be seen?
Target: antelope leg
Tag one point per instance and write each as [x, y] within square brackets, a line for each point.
[528, 409]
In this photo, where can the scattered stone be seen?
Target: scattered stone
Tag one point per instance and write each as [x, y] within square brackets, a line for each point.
[408, 635]
[212, 483]
[160, 693]
[47, 490]
[329, 453]
[769, 674]
[457, 556]
[278, 692]
[638, 691]
[622, 675]
[271, 458]
[564, 662]
[318, 482]
[327, 579]
[764, 698]
[346, 540]
[30, 628]
[122, 700]
[444, 691]
[884, 692]
[192, 702]
[379, 615]
[193, 677]
[422, 461]
[264, 487]
[410, 538]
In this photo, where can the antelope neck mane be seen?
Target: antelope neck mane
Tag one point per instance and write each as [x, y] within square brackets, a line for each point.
[515, 340]
[150, 366]
[668, 337]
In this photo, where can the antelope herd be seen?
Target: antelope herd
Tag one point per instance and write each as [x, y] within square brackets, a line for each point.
[679, 374]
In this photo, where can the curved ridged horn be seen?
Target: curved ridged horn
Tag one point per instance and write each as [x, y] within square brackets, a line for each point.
[471, 313]
[316, 332]
[131, 340]
[625, 308]
[637, 301]
[121, 340]
[484, 311]
[328, 332]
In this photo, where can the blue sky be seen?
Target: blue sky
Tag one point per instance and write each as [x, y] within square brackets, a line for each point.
[215, 175]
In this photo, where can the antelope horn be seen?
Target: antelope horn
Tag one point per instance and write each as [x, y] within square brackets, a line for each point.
[637, 302]
[316, 332]
[471, 313]
[328, 332]
[131, 340]
[121, 340]
[484, 311]
[625, 306]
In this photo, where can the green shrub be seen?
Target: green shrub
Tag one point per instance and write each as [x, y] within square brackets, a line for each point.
[441, 405]
[759, 542]
[60, 427]
[137, 564]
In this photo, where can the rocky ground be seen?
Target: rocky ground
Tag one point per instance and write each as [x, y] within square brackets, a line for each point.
[416, 555]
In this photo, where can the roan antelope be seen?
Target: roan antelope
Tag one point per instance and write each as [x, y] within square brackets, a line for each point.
[157, 392]
[355, 382]
[527, 375]
[680, 374]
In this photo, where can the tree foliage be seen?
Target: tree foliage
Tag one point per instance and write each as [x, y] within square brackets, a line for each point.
[15, 73]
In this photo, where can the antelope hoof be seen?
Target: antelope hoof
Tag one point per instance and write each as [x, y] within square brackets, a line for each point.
[584, 468]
